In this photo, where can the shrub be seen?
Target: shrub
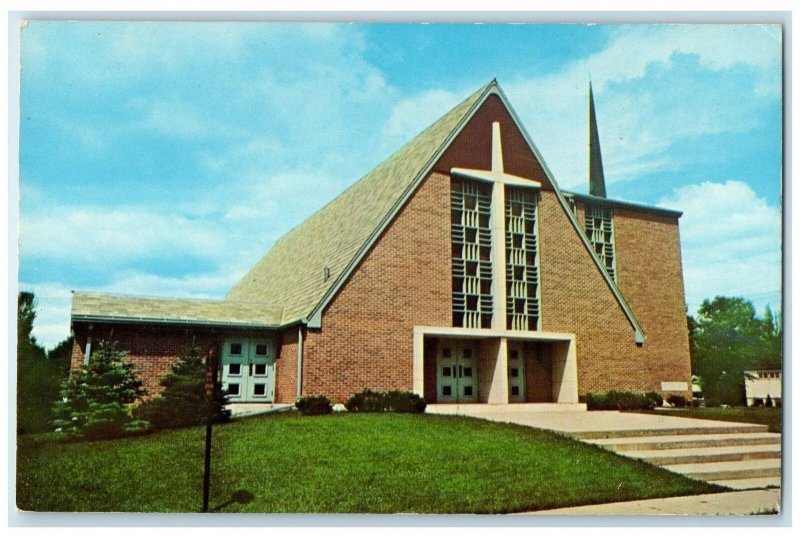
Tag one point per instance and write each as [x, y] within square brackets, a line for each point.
[368, 401]
[768, 401]
[615, 400]
[656, 398]
[97, 398]
[677, 400]
[184, 402]
[314, 405]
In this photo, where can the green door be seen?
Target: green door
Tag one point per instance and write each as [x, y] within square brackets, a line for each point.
[456, 372]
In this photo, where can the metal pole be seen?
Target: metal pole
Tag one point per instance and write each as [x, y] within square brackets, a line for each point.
[211, 385]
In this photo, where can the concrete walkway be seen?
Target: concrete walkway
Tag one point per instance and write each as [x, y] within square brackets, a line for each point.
[582, 423]
[718, 504]
[250, 409]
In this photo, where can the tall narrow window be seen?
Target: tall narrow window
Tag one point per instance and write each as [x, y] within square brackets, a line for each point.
[522, 260]
[471, 240]
[600, 231]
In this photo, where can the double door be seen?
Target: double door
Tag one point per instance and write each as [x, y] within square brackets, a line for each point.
[456, 372]
[248, 369]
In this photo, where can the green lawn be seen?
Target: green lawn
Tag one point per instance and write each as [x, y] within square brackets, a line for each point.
[357, 463]
[770, 416]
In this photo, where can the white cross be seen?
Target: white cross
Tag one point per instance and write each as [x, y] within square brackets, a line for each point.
[497, 173]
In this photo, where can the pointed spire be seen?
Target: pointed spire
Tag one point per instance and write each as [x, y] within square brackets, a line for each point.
[597, 181]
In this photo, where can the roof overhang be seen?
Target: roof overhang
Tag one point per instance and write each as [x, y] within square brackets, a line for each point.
[81, 318]
[634, 206]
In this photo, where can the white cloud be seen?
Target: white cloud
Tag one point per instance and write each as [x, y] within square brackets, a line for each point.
[645, 103]
[731, 242]
[54, 299]
[53, 303]
[410, 116]
[115, 236]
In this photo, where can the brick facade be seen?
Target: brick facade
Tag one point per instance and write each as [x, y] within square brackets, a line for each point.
[405, 280]
[366, 339]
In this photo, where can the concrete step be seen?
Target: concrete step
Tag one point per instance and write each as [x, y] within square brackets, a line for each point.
[657, 442]
[705, 454]
[700, 430]
[725, 470]
[750, 483]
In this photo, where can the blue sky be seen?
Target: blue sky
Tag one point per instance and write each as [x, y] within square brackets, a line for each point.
[165, 158]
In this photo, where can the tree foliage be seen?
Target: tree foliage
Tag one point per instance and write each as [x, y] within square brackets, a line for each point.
[727, 338]
[183, 402]
[38, 377]
[97, 398]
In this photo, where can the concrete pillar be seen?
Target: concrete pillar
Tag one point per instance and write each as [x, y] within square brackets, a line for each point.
[565, 372]
[498, 391]
[418, 367]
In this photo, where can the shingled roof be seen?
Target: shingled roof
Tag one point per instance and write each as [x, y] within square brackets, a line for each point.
[292, 273]
[90, 307]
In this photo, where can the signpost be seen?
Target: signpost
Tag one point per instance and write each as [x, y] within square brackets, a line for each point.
[211, 386]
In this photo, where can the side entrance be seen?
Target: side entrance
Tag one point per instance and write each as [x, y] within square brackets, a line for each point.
[248, 369]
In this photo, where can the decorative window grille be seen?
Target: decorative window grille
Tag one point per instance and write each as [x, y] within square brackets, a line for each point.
[600, 231]
[471, 240]
[522, 261]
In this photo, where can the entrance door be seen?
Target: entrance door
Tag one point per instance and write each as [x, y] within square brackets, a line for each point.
[516, 372]
[456, 372]
[261, 371]
[248, 369]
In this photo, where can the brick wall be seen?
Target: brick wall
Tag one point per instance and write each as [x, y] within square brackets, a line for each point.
[575, 298]
[286, 367]
[153, 349]
[650, 276]
[405, 280]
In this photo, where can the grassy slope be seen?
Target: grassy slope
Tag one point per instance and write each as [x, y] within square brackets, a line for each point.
[340, 463]
[770, 416]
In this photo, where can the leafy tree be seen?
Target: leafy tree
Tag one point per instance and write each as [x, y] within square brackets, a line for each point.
[61, 355]
[726, 340]
[183, 402]
[96, 399]
[38, 378]
[771, 340]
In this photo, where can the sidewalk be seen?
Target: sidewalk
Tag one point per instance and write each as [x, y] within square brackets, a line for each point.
[717, 504]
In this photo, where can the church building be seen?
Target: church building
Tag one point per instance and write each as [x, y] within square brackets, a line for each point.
[457, 269]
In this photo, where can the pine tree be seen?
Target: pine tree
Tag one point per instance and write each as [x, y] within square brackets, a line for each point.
[96, 400]
[184, 402]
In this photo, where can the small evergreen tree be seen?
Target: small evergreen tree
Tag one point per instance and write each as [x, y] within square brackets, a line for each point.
[183, 402]
[97, 398]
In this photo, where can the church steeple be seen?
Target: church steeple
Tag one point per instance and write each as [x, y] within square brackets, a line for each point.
[597, 182]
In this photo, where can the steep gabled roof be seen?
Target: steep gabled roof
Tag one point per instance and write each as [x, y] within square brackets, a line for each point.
[292, 273]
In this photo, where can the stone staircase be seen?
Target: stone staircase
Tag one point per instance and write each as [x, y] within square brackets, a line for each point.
[737, 456]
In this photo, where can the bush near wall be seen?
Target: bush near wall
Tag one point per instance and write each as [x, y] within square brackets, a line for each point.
[314, 405]
[184, 402]
[368, 401]
[622, 401]
[97, 398]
